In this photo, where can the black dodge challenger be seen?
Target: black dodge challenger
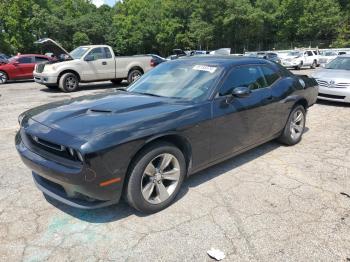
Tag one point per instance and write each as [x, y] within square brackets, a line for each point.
[179, 118]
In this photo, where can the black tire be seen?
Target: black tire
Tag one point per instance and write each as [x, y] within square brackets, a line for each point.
[287, 136]
[117, 81]
[314, 65]
[69, 82]
[3, 77]
[53, 87]
[299, 66]
[133, 191]
[133, 75]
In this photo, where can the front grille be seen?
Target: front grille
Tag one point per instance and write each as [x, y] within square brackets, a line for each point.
[50, 147]
[40, 67]
[331, 96]
[326, 84]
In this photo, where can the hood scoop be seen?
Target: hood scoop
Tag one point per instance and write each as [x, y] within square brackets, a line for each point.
[106, 111]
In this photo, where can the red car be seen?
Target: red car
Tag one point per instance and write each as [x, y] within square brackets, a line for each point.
[20, 67]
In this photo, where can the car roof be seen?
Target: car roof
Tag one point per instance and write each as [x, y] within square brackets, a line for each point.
[225, 61]
[92, 46]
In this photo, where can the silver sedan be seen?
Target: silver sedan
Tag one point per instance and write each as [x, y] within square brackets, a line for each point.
[334, 80]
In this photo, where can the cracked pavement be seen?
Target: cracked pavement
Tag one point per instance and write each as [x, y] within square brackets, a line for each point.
[273, 203]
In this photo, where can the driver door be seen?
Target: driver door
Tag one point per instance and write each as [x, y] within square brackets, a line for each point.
[102, 67]
[241, 122]
[24, 67]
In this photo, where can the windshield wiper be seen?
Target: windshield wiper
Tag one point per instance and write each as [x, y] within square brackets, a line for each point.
[144, 93]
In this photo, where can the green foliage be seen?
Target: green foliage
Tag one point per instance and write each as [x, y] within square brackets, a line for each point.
[158, 26]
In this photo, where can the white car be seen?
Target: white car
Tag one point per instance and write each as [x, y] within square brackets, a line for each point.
[328, 56]
[334, 80]
[299, 59]
[88, 63]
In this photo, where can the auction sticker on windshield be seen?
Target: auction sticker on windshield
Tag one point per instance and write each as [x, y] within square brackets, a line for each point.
[210, 69]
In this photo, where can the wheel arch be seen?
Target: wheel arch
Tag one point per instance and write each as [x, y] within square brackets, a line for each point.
[303, 102]
[68, 71]
[175, 139]
[135, 67]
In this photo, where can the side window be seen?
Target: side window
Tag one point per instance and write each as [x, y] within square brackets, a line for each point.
[248, 76]
[25, 60]
[309, 53]
[39, 59]
[107, 53]
[97, 53]
[271, 75]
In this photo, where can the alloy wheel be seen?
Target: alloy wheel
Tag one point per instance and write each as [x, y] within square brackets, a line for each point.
[135, 76]
[297, 124]
[160, 178]
[71, 83]
[3, 78]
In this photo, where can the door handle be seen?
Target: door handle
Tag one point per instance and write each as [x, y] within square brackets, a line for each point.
[104, 63]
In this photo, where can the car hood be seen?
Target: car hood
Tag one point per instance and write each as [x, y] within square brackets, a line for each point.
[52, 46]
[332, 74]
[94, 115]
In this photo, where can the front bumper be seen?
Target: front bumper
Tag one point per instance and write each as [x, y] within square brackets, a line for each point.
[334, 94]
[74, 184]
[290, 63]
[45, 79]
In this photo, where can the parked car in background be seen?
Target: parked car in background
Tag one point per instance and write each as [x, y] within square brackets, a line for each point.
[20, 67]
[3, 58]
[334, 80]
[156, 59]
[298, 59]
[88, 63]
[327, 56]
[178, 119]
[269, 56]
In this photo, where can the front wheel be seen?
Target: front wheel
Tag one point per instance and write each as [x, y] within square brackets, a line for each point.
[294, 129]
[3, 77]
[155, 178]
[69, 82]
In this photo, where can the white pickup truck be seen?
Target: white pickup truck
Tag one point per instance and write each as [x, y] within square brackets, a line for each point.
[89, 63]
[298, 59]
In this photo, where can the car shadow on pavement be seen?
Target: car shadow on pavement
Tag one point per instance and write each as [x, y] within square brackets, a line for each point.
[122, 210]
[332, 103]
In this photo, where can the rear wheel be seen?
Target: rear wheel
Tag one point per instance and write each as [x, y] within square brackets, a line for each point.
[314, 65]
[294, 129]
[69, 82]
[3, 77]
[155, 178]
[134, 75]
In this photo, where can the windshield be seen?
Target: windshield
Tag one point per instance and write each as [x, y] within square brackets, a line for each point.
[179, 79]
[295, 53]
[340, 63]
[78, 52]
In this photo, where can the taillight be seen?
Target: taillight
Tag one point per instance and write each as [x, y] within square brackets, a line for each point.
[152, 63]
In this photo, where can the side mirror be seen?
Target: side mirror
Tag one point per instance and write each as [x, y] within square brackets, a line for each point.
[16, 63]
[241, 91]
[89, 58]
